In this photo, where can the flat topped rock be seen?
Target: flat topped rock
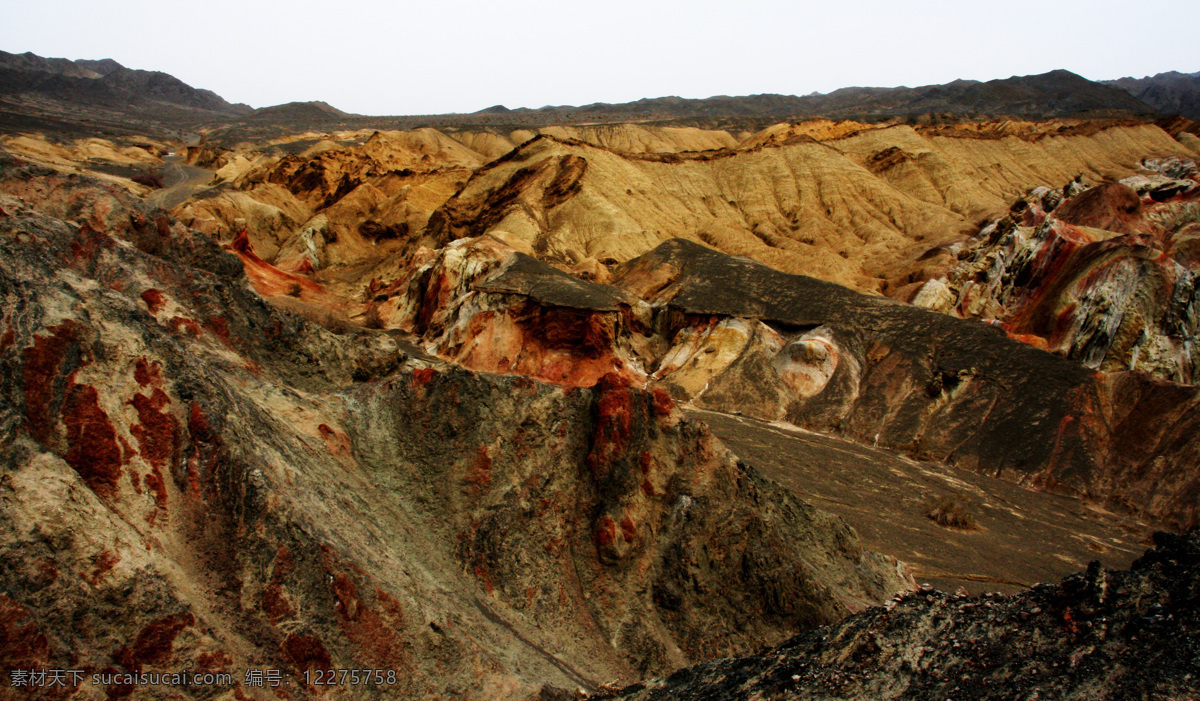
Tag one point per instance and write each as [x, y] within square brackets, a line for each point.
[936, 387]
[704, 281]
[552, 287]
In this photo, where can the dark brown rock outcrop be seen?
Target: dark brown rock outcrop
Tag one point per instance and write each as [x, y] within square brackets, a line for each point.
[950, 390]
[1097, 635]
[1113, 206]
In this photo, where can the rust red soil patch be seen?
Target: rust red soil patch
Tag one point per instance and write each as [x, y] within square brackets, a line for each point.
[42, 361]
[275, 601]
[307, 651]
[92, 441]
[154, 300]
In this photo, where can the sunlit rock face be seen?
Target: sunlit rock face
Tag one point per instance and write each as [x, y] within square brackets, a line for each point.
[353, 201]
[807, 364]
[848, 202]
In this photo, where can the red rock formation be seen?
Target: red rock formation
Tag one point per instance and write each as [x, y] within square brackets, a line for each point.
[1117, 295]
[266, 278]
[469, 304]
[1112, 207]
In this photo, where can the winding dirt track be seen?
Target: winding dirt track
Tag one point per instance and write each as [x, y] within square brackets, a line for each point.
[182, 181]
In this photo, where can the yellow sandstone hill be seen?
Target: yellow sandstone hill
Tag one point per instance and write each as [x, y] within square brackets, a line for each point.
[627, 138]
[853, 203]
[855, 210]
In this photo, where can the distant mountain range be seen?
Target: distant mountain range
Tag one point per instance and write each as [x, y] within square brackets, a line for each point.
[104, 82]
[1169, 93]
[1054, 94]
[86, 96]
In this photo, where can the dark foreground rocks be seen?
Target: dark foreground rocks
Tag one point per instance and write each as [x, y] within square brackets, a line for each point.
[1097, 635]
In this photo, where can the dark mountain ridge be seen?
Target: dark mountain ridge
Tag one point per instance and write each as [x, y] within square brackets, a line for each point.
[88, 96]
[56, 94]
[1169, 93]
[1055, 94]
[104, 81]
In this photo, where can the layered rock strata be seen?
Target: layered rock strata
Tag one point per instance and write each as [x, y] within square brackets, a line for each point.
[853, 203]
[1105, 275]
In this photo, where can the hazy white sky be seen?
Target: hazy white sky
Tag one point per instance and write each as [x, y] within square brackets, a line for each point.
[402, 57]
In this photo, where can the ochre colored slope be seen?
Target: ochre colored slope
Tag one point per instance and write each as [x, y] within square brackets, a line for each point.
[847, 202]
[854, 210]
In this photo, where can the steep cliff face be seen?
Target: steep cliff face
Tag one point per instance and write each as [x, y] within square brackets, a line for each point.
[191, 476]
[1095, 635]
[604, 523]
[1105, 276]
